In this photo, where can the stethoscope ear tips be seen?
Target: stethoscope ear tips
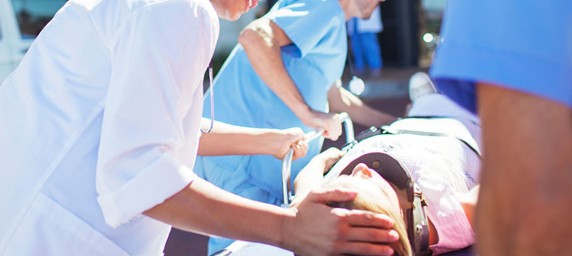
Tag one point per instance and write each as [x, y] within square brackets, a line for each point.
[356, 85]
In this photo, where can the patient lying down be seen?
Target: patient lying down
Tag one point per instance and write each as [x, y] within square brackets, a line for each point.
[449, 208]
[374, 194]
[446, 169]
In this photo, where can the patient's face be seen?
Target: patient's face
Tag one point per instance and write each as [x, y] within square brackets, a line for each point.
[369, 184]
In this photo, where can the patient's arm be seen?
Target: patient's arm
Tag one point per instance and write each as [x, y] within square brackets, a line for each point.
[469, 202]
[341, 100]
[226, 139]
[312, 175]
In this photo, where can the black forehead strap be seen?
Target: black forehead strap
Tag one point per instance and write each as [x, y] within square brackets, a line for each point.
[392, 171]
[389, 168]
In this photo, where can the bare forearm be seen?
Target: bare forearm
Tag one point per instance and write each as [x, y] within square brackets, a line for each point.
[237, 140]
[309, 178]
[341, 100]
[311, 228]
[312, 176]
[204, 208]
[262, 41]
[526, 176]
[367, 116]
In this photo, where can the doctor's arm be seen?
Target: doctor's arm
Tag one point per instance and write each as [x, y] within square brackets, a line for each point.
[239, 140]
[262, 40]
[341, 100]
[312, 228]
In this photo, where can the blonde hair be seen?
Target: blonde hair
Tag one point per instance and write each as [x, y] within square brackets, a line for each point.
[402, 247]
[386, 201]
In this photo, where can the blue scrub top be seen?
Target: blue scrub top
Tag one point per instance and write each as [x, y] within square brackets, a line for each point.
[523, 45]
[314, 61]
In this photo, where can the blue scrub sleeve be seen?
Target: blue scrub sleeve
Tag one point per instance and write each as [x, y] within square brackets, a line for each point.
[460, 91]
[307, 21]
[522, 45]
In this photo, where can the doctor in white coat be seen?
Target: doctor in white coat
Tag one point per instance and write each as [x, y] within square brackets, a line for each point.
[99, 129]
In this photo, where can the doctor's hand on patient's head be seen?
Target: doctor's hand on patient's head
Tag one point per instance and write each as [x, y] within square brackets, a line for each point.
[329, 123]
[317, 229]
[287, 139]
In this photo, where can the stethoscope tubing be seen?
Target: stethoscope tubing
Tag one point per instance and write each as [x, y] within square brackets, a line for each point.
[211, 89]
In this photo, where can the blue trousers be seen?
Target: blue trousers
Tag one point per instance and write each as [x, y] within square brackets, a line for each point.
[366, 51]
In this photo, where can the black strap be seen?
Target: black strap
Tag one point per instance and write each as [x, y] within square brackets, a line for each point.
[395, 173]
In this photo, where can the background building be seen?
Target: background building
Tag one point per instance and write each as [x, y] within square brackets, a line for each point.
[411, 29]
[20, 23]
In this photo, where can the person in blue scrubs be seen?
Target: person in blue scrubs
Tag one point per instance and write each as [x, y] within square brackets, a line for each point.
[365, 46]
[511, 61]
[279, 77]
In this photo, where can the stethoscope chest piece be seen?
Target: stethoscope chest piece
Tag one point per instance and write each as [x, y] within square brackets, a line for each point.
[356, 85]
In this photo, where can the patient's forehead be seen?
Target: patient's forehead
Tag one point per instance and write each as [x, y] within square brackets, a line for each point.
[373, 188]
[375, 178]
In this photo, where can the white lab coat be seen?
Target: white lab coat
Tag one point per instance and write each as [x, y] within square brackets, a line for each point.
[100, 123]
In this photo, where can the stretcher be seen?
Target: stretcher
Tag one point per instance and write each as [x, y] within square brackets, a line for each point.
[416, 230]
[287, 161]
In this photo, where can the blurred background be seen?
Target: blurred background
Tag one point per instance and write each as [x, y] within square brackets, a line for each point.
[409, 38]
[411, 30]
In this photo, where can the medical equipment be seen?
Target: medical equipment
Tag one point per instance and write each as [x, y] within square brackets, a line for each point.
[211, 87]
[356, 85]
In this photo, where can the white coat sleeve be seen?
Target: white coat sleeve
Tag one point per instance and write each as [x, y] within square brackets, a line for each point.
[158, 59]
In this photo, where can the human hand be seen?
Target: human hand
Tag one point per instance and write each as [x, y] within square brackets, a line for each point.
[317, 229]
[289, 138]
[312, 175]
[330, 123]
[329, 157]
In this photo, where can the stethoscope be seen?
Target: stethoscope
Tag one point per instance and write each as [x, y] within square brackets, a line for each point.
[211, 88]
[356, 85]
